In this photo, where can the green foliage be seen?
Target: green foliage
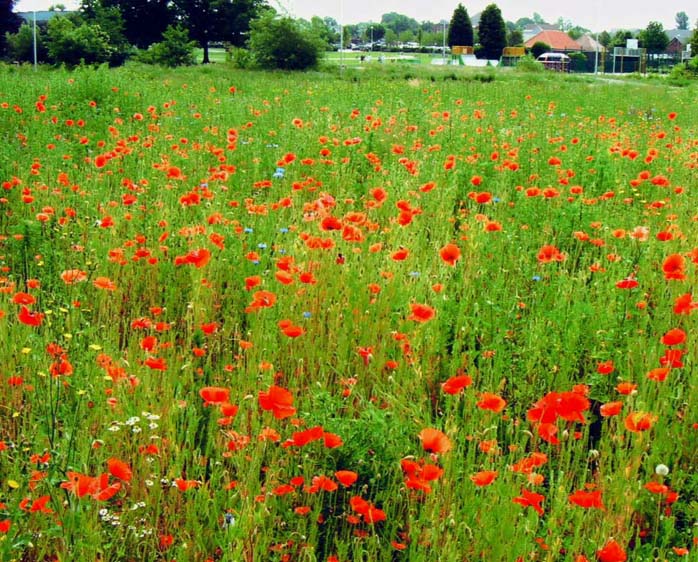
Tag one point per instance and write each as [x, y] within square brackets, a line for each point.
[279, 43]
[241, 58]
[460, 30]
[694, 43]
[399, 23]
[175, 49]
[528, 63]
[9, 22]
[110, 21]
[538, 48]
[605, 38]
[492, 32]
[144, 21]
[681, 20]
[654, 38]
[578, 61]
[620, 38]
[20, 45]
[72, 43]
[515, 38]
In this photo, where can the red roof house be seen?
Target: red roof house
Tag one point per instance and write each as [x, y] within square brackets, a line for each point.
[558, 41]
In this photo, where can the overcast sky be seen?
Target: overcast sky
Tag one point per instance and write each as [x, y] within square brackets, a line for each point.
[596, 15]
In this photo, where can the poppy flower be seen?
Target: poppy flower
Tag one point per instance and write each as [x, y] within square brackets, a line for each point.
[455, 384]
[30, 318]
[673, 267]
[492, 402]
[605, 367]
[104, 283]
[549, 254]
[530, 499]
[277, 400]
[434, 441]
[214, 395]
[638, 422]
[346, 477]
[72, 276]
[676, 336]
[450, 254]
[484, 477]
[587, 499]
[421, 313]
[23, 298]
[611, 409]
[119, 469]
[611, 552]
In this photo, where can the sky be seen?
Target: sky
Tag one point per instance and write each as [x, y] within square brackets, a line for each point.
[596, 15]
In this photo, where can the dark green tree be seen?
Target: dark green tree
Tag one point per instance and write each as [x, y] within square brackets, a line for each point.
[654, 38]
[492, 32]
[620, 38]
[9, 22]
[460, 30]
[515, 38]
[175, 49]
[144, 20]
[20, 45]
[72, 41]
[217, 20]
[605, 38]
[539, 48]
[399, 23]
[682, 20]
[694, 42]
[280, 43]
[109, 20]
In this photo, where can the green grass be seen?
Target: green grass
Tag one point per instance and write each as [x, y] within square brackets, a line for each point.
[144, 213]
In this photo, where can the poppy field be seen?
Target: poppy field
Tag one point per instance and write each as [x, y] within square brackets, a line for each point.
[359, 317]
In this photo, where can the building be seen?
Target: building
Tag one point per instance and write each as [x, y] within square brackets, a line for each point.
[557, 40]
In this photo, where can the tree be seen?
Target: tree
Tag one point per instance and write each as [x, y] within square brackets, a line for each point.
[460, 30]
[515, 38]
[71, 41]
[654, 38]
[20, 45]
[217, 20]
[539, 48]
[110, 21]
[144, 20]
[605, 38]
[620, 38]
[399, 23]
[175, 49]
[682, 20]
[9, 21]
[492, 31]
[280, 43]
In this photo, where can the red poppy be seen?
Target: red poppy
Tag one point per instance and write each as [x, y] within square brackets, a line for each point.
[119, 469]
[214, 395]
[434, 441]
[549, 254]
[611, 552]
[421, 313]
[605, 367]
[611, 409]
[587, 499]
[492, 402]
[450, 254]
[72, 276]
[457, 383]
[104, 283]
[484, 477]
[23, 298]
[277, 400]
[346, 477]
[530, 499]
[673, 267]
[30, 318]
[639, 421]
[676, 336]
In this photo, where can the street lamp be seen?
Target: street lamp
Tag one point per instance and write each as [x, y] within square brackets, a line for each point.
[443, 44]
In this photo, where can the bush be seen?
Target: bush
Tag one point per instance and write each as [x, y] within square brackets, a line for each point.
[529, 64]
[175, 49]
[241, 58]
[282, 44]
[20, 45]
[73, 43]
[539, 48]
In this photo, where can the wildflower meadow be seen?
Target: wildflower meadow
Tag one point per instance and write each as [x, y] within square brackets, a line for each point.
[347, 316]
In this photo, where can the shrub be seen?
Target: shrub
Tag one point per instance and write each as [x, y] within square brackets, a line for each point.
[73, 43]
[539, 48]
[282, 44]
[175, 49]
[20, 45]
[529, 64]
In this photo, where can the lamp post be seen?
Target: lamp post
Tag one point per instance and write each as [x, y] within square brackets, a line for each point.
[35, 57]
[443, 44]
[371, 36]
